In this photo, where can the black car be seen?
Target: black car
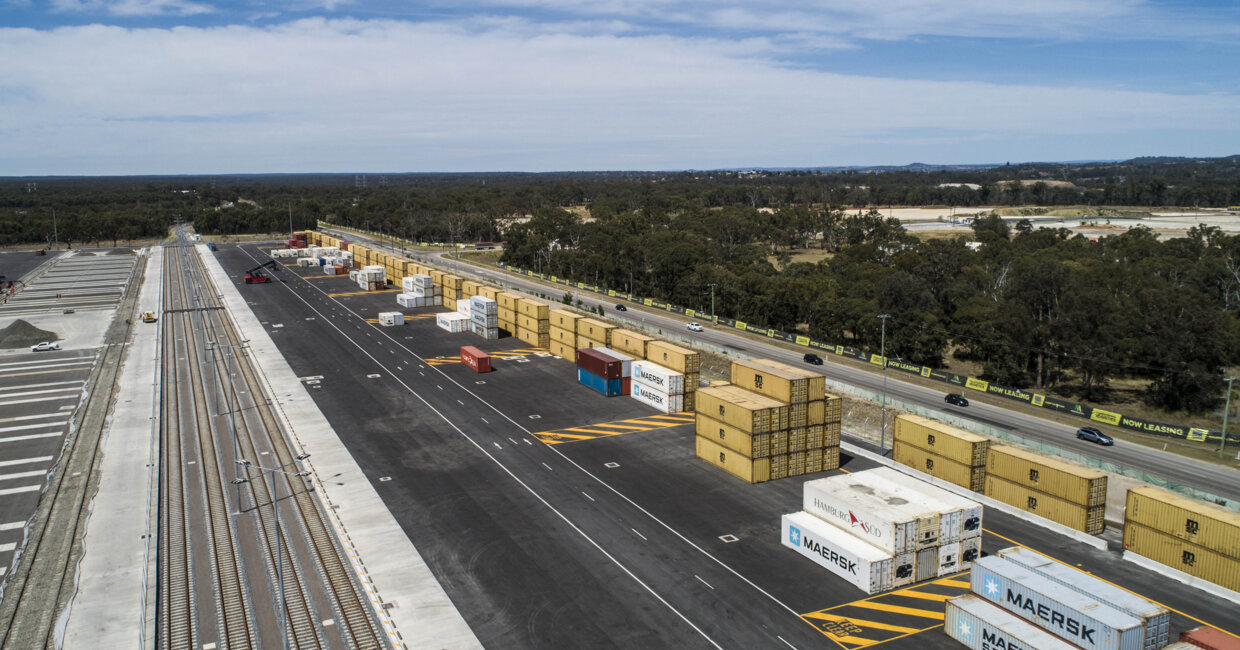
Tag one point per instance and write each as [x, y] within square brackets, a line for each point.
[954, 398]
[620, 307]
[1093, 435]
[813, 359]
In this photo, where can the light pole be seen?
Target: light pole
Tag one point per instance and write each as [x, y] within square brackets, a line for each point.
[882, 352]
[1223, 439]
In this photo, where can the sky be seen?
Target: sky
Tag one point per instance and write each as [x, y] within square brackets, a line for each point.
[109, 87]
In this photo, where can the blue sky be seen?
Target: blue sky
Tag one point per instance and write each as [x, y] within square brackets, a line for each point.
[204, 86]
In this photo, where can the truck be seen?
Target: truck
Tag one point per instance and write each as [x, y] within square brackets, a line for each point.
[256, 275]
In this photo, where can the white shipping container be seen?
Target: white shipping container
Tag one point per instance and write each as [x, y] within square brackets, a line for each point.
[423, 280]
[851, 503]
[970, 550]
[664, 379]
[949, 559]
[626, 362]
[453, 322]
[979, 625]
[1156, 618]
[390, 318]
[961, 518]
[862, 565]
[488, 333]
[463, 308]
[1077, 618]
[905, 569]
[353, 275]
[329, 269]
[485, 320]
[652, 396]
[484, 305]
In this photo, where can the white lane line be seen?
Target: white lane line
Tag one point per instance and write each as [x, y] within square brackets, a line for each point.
[25, 461]
[31, 436]
[73, 365]
[785, 642]
[24, 488]
[547, 466]
[512, 441]
[7, 547]
[485, 420]
[12, 525]
[639, 534]
[497, 445]
[38, 399]
[45, 391]
[701, 580]
[587, 496]
[460, 402]
[527, 441]
[6, 477]
[44, 362]
[27, 427]
[42, 416]
[77, 382]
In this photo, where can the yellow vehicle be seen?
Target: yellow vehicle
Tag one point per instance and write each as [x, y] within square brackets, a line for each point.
[149, 317]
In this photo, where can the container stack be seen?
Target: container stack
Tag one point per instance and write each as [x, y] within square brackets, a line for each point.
[452, 322]
[534, 322]
[1021, 599]
[391, 318]
[419, 291]
[1064, 493]
[959, 523]
[941, 450]
[593, 333]
[563, 334]
[507, 311]
[484, 317]
[1200, 539]
[737, 432]
[658, 387]
[630, 342]
[674, 357]
[450, 285]
[371, 278]
[602, 372]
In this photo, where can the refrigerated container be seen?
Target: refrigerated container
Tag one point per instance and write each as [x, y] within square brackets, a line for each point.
[391, 318]
[751, 470]
[979, 625]
[949, 559]
[477, 359]
[659, 400]
[1062, 480]
[453, 322]
[488, 333]
[960, 446]
[961, 517]
[857, 562]
[656, 376]
[484, 305]
[853, 503]
[1203, 524]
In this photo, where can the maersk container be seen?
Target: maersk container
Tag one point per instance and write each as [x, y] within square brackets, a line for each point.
[600, 364]
[657, 399]
[1076, 618]
[979, 625]
[850, 502]
[862, 565]
[608, 387]
[626, 362]
[656, 376]
[1156, 617]
[961, 518]
[484, 305]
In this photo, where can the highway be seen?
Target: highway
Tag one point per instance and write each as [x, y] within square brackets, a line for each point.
[1215, 479]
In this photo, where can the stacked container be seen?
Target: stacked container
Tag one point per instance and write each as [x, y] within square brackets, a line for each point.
[1064, 493]
[742, 433]
[658, 387]
[507, 309]
[603, 371]
[452, 322]
[959, 534]
[674, 357]
[630, 342]
[593, 333]
[563, 334]
[534, 322]
[941, 450]
[862, 565]
[371, 278]
[1200, 539]
[484, 316]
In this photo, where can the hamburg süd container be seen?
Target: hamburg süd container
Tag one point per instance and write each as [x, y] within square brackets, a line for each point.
[750, 470]
[599, 363]
[961, 518]
[1074, 617]
[852, 503]
[672, 356]
[1156, 618]
[749, 412]
[1203, 524]
[859, 563]
[658, 377]
[964, 447]
[626, 362]
[607, 387]
[1182, 555]
[477, 359]
[661, 401]
[1073, 483]
[778, 380]
[938, 466]
[1087, 519]
[979, 625]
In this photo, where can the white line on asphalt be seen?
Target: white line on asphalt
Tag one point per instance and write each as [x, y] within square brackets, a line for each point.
[6, 477]
[701, 580]
[25, 461]
[527, 441]
[44, 366]
[786, 642]
[77, 382]
[27, 427]
[31, 436]
[587, 496]
[25, 488]
[485, 420]
[45, 391]
[40, 362]
[41, 416]
[460, 402]
[547, 466]
[497, 445]
[512, 441]
[639, 534]
[12, 525]
[38, 399]
[7, 547]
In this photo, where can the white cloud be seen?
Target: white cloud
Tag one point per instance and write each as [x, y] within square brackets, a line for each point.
[327, 95]
[133, 7]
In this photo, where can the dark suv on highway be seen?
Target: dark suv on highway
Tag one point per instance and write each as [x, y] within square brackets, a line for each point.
[1093, 435]
[813, 359]
[956, 399]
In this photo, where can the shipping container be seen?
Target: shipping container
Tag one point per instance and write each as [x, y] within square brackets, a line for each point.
[690, 401]
[1204, 524]
[822, 435]
[490, 292]
[596, 330]
[565, 319]
[483, 320]
[950, 442]
[625, 360]
[391, 318]
[960, 517]
[1156, 619]
[691, 379]
[752, 445]
[749, 412]
[979, 625]
[534, 308]
[938, 466]
[506, 300]
[607, 387]
[563, 336]
[779, 466]
[564, 351]
[541, 326]
[949, 559]
[1076, 618]
[507, 315]
[533, 338]
[778, 380]
[656, 376]
[860, 564]
[586, 342]
[779, 443]
[1196, 561]
[656, 399]
[600, 363]
[1210, 638]
[1087, 519]
[796, 439]
[830, 459]
[751, 470]
[829, 410]
[852, 503]
[630, 342]
[452, 322]
[477, 359]
[484, 305]
[1060, 479]
[970, 550]
[480, 329]
[673, 356]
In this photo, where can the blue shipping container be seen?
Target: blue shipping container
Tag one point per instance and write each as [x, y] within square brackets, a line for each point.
[608, 387]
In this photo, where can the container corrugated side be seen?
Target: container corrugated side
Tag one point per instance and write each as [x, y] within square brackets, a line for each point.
[599, 363]
[630, 342]
[586, 342]
[1066, 481]
[962, 517]
[656, 399]
[607, 387]
[564, 319]
[626, 362]
[816, 381]
[567, 337]
[595, 329]
[949, 558]
[1156, 619]
[1196, 561]
[850, 502]
[858, 563]
[938, 466]
[772, 382]
[490, 292]
[752, 470]
[749, 412]
[533, 308]
[964, 447]
[1087, 519]
[1209, 638]
[979, 625]
[673, 356]
[564, 351]
[533, 338]
[539, 325]
[753, 445]
[1076, 618]
[652, 374]
[1201, 523]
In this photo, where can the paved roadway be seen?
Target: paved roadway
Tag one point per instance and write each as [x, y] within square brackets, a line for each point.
[1214, 479]
[617, 541]
[86, 280]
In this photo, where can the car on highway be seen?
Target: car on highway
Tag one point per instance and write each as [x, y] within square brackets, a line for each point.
[1093, 435]
[956, 399]
[45, 346]
[813, 359]
[694, 327]
[620, 307]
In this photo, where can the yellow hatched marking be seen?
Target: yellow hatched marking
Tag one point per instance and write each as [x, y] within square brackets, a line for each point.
[627, 426]
[948, 582]
[675, 418]
[588, 430]
[897, 609]
[362, 293]
[910, 593]
[862, 622]
[622, 426]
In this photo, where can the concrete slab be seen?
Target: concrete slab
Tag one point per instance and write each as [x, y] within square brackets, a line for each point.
[386, 562]
[113, 606]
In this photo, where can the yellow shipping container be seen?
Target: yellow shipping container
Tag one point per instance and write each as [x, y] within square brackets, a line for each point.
[595, 329]
[962, 446]
[489, 292]
[507, 314]
[938, 466]
[507, 300]
[470, 287]
[630, 342]
[450, 303]
[508, 326]
[822, 435]
[692, 380]
[674, 357]
[436, 276]
[779, 466]
[452, 282]
[690, 402]
[534, 308]
[541, 326]
[563, 337]
[779, 380]
[822, 459]
[749, 412]
[1064, 480]
[745, 468]
[779, 442]
[534, 338]
[586, 342]
[564, 351]
[565, 319]
[1195, 560]
[1203, 524]
[752, 445]
[1088, 519]
[798, 438]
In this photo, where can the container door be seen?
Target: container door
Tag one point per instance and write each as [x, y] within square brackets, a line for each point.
[927, 563]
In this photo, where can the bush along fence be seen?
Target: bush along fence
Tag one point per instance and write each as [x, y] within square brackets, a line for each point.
[1192, 434]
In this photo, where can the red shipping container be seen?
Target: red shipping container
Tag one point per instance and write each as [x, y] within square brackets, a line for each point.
[600, 364]
[477, 359]
[1210, 638]
[344, 245]
[626, 385]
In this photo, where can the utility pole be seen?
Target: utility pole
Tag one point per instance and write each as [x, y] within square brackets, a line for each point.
[712, 301]
[55, 231]
[1227, 408]
[290, 220]
[882, 347]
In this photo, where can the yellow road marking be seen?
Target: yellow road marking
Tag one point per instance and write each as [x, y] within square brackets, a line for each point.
[911, 593]
[362, 293]
[862, 622]
[954, 583]
[622, 426]
[897, 609]
[632, 425]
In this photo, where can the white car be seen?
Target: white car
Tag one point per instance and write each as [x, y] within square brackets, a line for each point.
[44, 347]
[694, 327]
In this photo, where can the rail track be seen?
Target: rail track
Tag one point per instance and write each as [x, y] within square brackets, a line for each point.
[238, 569]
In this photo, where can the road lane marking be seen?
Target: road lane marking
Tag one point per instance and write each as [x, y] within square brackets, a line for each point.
[703, 581]
[27, 427]
[6, 477]
[639, 534]
[24, 488]
[38, 399]
[31, 436]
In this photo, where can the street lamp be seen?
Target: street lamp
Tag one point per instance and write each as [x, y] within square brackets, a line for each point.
[882, 352]
[1223, 439]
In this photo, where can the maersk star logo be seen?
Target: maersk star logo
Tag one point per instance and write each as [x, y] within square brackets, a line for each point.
[992, 587]
[794, 536]
[965, 630]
